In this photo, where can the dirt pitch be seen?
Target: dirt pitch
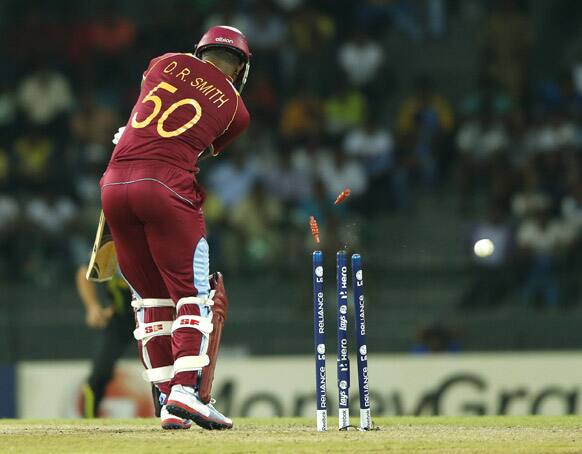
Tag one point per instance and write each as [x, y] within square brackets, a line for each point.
[294, 435]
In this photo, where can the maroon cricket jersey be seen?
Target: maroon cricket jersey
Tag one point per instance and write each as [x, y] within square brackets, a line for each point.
[184, 106]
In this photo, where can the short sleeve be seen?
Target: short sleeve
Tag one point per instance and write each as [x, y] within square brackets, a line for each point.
[237, 126]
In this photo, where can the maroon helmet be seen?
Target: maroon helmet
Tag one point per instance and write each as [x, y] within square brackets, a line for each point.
[230, 38]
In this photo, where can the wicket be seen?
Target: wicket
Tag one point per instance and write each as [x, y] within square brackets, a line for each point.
[361, 342]
[319, 331]
[343, 361]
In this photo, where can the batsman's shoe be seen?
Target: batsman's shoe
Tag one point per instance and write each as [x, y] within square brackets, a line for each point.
[184, 403]
[173, 422]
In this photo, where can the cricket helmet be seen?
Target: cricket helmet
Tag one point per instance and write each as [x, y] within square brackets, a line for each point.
[230, 38]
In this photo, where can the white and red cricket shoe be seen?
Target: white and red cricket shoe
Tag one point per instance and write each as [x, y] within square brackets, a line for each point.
[184, 403]
[173, 422]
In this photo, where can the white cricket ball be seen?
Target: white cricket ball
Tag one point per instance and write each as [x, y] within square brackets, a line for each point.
[484, 248]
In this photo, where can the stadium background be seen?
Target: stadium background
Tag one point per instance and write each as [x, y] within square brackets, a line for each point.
[450, 120]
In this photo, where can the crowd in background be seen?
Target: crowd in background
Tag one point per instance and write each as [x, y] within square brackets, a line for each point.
[518, 144]
[318, 90]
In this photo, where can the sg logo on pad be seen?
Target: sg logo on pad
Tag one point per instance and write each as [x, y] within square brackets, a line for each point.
[154, 328]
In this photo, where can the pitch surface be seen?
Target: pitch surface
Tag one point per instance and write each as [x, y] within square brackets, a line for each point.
[404, 434]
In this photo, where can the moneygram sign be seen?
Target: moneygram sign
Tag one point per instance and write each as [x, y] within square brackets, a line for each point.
[479, 384]
[463, 384]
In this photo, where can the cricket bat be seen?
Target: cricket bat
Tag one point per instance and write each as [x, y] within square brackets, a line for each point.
[103, 263]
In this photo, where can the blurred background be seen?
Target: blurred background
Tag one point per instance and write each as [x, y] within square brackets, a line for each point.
[457, 124]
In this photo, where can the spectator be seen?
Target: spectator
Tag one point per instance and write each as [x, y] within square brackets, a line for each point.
[262, 99]
[308, 156]
[566, 131]
[94, 123]
[436, 338]
[559, 95]
[424, 99]
[266, 29]
[340, 172]
[401, 13]
[112, 33]
[488, 96]
[552, 133]
[507, 39]
[287, 181]
[531, 198]
[373, 145]
[311, 32]
[542, 241]
[424, 120]
[48, 218]
[50, 213]
[232, 179]
[361, 59]
[301, 117]
[35, 159]
[266, 32]
[344, 109]
[92, 128]
[256, 219]
[479, 141]
[55, 91]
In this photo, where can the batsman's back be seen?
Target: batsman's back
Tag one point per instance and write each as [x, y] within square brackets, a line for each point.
[185, 103]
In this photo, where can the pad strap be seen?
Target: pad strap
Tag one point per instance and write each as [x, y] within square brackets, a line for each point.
[158, 374]
[145, 331]
[200, 301]
[152, 302]
[202, 324]
[190, 363]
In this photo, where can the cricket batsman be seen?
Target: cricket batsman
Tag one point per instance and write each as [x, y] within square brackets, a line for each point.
[189, 106]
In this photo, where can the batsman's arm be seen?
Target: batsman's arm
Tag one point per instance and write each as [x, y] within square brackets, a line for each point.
[239, 123]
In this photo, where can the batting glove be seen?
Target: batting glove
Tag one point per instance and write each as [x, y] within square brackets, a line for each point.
[117, 136]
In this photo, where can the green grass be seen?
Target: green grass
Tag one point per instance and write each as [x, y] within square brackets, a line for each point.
[497, 434]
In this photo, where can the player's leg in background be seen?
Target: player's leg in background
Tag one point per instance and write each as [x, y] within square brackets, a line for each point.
[154, 309]
[114, 339]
